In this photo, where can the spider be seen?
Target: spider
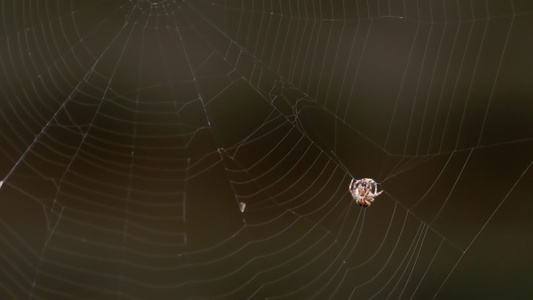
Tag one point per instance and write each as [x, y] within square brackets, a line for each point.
[364, 191]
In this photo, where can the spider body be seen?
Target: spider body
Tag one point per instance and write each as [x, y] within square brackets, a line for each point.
[364, 191]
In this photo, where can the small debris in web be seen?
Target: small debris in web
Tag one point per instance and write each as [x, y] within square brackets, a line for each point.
[242, 206]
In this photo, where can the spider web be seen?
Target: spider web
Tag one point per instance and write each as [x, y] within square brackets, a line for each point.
[132, 131]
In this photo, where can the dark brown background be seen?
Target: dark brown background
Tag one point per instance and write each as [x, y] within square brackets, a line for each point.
[131, 130]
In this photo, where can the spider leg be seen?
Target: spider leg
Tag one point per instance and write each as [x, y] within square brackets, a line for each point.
[370, 196]
[353, 188]
[352, 185]
[376, 193]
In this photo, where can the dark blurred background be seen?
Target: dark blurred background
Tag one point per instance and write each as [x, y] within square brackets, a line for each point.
[130, 132]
